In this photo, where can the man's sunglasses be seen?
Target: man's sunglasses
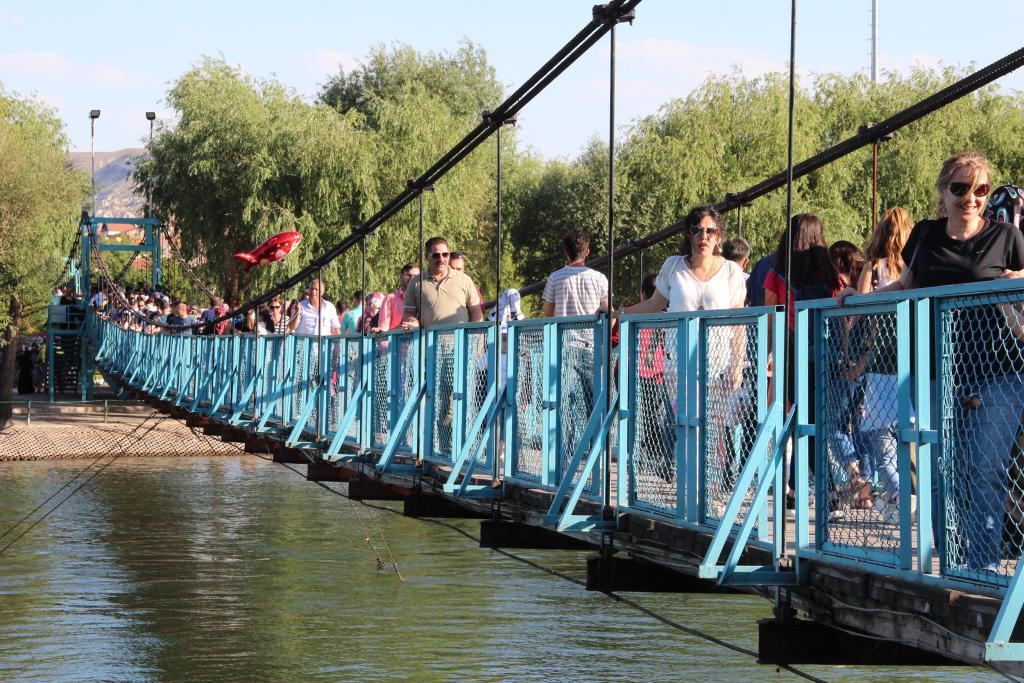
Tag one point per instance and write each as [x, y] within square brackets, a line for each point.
[275, 307]
[440, 254]
[697, 231]
[960, 189]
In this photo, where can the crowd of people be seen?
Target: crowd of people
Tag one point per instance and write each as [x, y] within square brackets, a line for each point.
[712, 271]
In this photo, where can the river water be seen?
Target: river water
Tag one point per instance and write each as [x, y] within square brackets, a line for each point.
[234, 568]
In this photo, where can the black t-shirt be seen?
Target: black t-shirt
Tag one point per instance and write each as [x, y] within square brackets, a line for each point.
[978, 343]
[941, 260]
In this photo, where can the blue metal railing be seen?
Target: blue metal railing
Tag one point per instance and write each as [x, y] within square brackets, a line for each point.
[907, 425]
[694, 390]
[556, 382]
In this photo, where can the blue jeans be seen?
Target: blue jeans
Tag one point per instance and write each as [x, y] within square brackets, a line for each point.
[986, 440]
[579, 396]
[880, 458]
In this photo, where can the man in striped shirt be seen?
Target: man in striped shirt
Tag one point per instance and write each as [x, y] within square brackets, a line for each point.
[573, 291]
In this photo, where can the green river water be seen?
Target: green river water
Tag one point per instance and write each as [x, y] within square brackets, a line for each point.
[234, 568]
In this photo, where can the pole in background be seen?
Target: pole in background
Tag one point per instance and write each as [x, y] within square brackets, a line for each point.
[93, 115]
[783, 609]
[422, 342]
[874, 146]
[874, 41]
[601, 11]
[511, 121]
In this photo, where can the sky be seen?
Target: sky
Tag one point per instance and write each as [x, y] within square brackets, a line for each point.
[122, 57]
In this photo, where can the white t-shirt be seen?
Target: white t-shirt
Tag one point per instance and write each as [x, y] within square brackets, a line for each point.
[307, 317]
[726, 289]
[882, 273]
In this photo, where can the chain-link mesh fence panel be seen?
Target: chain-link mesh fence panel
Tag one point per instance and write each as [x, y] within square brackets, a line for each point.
[654, 371]
[478, 383]
[335, 384]
[297, 384]
[729, 406]
[380, 398]
[859, 503]
[353, 379]
[981, 464]
[244, 371]
[273, 376]
[406, 363]
[578, 385]
[528, 411]
[442, 400]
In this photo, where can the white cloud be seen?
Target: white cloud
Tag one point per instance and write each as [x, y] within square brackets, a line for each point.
[54, 66]
[11, 21]
[326, 61]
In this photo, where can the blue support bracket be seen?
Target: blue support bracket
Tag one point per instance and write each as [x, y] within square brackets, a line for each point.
[304, 414]
[591, 445]
[769, 435]
[998, 647]
[351, 410]
[484, 422]
[181, 394]
[397, 434]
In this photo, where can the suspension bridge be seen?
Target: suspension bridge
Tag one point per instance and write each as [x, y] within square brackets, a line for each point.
[666, 455]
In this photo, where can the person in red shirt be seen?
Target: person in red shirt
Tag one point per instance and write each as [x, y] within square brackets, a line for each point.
[393, 308]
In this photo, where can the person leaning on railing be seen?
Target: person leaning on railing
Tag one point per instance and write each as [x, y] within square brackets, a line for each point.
[961, 246]
[699, 278]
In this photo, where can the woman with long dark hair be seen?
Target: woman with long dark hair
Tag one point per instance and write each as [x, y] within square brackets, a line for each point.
[811, 275]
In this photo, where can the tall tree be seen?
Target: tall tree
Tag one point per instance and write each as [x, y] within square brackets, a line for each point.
[40, 197]
[246, 159]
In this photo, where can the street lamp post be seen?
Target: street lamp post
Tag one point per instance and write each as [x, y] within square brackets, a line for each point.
[150, 116]
[93, 115]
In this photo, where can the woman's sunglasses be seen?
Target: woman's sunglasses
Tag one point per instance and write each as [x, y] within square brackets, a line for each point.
[960, 189]
[697, 231]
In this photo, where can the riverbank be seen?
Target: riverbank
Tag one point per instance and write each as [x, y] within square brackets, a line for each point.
[45, 431]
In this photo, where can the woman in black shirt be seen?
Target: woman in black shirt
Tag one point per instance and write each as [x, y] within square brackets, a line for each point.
[982, 358]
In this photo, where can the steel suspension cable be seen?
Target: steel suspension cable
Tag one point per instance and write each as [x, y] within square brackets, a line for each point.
[604, 17]
[865, 136]
[68, 261]
[183, 263]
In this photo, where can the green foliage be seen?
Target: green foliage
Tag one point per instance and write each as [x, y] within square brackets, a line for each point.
[248, 158]
[40, 197]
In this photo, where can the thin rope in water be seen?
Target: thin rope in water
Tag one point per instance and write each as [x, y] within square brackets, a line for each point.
[72, 480]
[381, 564]
[614, 596]
[80, 486]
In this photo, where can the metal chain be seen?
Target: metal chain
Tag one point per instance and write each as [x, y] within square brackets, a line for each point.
[184, 264]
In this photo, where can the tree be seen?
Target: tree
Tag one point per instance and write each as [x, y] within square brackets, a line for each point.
[417, 107]
[247, 159]
[40, 197]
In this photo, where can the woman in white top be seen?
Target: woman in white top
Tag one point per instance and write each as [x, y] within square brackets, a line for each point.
[700, 278]
[885, 251]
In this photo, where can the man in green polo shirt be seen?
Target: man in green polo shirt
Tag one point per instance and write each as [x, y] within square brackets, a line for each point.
[441, 296]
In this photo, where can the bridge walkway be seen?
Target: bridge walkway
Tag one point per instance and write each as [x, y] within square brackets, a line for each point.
[519, 428]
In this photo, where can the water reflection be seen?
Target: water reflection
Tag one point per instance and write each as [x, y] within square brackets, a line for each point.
[234, 568]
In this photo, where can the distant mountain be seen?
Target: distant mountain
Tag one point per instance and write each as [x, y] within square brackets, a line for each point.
[115, 195]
